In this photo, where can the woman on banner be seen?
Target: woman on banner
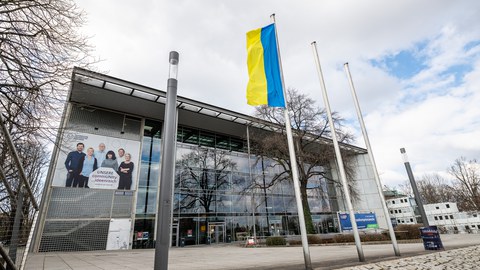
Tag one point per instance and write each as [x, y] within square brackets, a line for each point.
[125, 171]
[88, 164]
[110, 161]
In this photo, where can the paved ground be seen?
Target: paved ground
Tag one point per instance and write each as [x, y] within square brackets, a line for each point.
[235, 257]
[462, 258]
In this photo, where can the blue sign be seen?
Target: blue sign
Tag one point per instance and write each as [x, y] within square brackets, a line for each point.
[364, 221]
[431, 238]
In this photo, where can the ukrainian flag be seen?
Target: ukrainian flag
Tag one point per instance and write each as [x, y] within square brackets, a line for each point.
[265, 84]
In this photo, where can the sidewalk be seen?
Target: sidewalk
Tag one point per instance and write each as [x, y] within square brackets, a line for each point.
[235, 257]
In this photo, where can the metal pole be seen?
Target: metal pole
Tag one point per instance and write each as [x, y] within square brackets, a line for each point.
[293, 165]
[341, 168]
[6, 184]
[253, 190]
[16, 159]
[12, 252]
[29, 241]
[167, 177]
[418, 198]
[372, 161]
[4, 255]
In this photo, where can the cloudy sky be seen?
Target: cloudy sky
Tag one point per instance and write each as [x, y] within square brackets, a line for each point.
[415, 64]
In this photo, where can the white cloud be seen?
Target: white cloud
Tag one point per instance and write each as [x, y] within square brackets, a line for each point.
[432, 115]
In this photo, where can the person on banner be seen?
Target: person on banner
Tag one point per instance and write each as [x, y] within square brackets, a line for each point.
[110, 161]
[100, 154]
[72, 163]
[125, 171]
[121, 155]
[88, 164]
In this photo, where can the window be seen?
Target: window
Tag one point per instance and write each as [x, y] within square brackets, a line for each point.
[446, 217]
[396, 211]
[399, 210]
[411, 220]
[436, 207]
[436, 218]
[441, 218]
[391, 211]
[451, 216]
[447, 205]
[393, 202]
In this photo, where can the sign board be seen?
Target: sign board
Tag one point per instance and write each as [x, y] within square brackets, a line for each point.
[431, 238]
[104, 178]
[364, 221]
[119, 234]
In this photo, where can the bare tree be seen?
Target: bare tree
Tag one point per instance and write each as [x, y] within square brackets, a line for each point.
[466, 183]
[204, 172]
[39, 46]
[434, 188]
[313, 148]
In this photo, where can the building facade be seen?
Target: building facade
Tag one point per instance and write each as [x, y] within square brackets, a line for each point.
[221, 193]
[447, 216]
[403, 210]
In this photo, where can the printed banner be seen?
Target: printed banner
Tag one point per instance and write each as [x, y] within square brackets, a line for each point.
[95, 161]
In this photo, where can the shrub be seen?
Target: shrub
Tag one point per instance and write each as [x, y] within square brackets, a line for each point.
[276, 241]
[314, 239]
[374, 237]
[343, 238]
[408, 231]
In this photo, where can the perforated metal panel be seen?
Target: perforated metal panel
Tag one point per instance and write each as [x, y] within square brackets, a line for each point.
[100, 122]
[78, 218]
[75, 235]
[122, 204]
[79, 203]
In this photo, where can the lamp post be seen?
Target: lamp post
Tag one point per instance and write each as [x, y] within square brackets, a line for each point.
[167, 177]
[418, 199]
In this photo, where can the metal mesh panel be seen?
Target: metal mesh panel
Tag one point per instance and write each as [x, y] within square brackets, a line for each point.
[79, 203]
[74, 235]
[99, 122]
[78, 218]
[122, 204]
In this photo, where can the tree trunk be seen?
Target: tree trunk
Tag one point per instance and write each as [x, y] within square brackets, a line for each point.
[306, 208]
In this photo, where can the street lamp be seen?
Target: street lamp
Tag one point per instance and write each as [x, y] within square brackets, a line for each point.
[418, 199]
[167, 176]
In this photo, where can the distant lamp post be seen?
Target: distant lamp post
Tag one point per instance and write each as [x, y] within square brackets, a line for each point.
[418, 199]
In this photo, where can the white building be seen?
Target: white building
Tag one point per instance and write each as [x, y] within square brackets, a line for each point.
[447, 216]
[403, 210]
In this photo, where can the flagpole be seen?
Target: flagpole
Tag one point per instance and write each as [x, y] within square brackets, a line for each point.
[341, 168]
[372, 160]
[293, 164]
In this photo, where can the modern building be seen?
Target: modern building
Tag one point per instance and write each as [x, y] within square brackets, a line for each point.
[220, 193]
[450, 220]
[403, 210]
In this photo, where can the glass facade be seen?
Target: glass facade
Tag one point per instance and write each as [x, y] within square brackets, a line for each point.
[216, 197]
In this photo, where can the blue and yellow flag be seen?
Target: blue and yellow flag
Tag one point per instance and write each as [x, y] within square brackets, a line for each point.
[264, 84]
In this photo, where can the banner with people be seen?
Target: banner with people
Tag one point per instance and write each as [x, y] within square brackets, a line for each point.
[95, 161]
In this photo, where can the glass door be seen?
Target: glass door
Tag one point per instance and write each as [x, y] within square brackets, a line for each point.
[217, 232]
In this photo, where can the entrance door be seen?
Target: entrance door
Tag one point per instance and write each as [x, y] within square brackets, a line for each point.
[216, 232]
[174, 242]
